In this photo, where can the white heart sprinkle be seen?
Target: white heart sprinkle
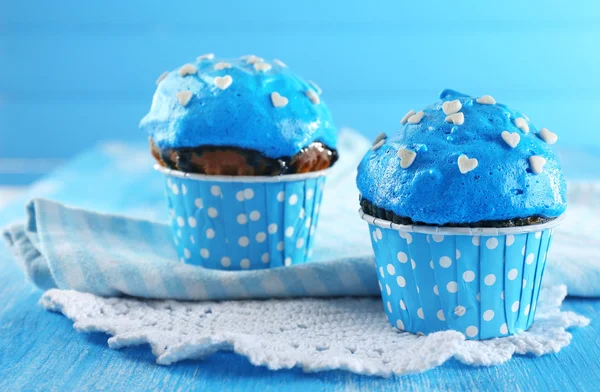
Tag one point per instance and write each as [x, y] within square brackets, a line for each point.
[316, 87]
[379, 137]
[407, 157]
[314, 98]
[466, 164]
[537, 163]
[262, 67]
[407, 116]
[512, 139]
[251, 59]
[220, 66]
[378, 145]
[208, 56]
[416, 118]
[184, 97]
[278, 100]
[280, 63]
[162, 77]
[223, 82]
[547, 136]
[522, 124]
[486, 100]
[451, 107]
[187, 69]
[456, 118]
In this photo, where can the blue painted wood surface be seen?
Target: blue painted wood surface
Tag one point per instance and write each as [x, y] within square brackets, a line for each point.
[73, 73]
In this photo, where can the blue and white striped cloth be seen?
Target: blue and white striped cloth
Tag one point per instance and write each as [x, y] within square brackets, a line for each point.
[110, 255]
[68, 248]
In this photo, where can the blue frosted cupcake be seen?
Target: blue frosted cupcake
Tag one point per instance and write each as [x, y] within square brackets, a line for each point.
[244, 145]
[461, 205]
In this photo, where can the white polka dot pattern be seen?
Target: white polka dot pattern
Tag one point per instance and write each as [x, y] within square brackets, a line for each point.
[244, 225]
[472, 284]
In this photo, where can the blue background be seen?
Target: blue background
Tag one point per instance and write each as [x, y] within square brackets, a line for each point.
[74, 73]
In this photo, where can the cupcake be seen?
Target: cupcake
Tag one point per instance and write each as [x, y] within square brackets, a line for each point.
[461, 204]
[244, 145]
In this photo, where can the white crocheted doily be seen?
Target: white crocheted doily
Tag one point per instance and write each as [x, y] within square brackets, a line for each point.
[314, 334]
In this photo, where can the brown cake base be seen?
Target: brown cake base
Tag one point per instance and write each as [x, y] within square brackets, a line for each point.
[234, 161]
[370, 209]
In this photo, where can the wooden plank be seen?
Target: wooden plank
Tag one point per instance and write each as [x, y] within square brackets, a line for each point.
[72, 12]
[109, 65]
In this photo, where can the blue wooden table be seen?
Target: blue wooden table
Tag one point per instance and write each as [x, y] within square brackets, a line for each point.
[40, 350]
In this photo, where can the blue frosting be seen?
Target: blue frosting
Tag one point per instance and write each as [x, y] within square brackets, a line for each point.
[433, 189]
[243, 114]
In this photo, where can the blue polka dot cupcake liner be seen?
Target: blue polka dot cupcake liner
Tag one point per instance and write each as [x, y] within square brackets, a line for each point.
[483, 282]
[243, 223]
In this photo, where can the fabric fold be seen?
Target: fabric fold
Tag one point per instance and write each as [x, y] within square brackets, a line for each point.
[110, 255]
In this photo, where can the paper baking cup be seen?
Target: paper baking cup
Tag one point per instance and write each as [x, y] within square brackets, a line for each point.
[242, 223]
[483, 282]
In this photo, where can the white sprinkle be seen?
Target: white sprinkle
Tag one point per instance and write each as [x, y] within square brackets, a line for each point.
[316, 87]
[456, 118]
[407, 116]
[486, 100]
[251, 59]
[187, 69]
[378, 145]
[278, 100]
[466, 164]
[184, 97]
[379, 137]
[220, 66]
[451, 107]
[162, 77]
[314, 98]
[280, 63]
[522, 124]
[223, 82]
[537, 163]
[547, 136]
[416, 118]
[209, 56]
[407, 157]
[262, 67]
[512, 139]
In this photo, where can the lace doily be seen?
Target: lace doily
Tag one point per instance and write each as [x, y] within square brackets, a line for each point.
[314, 334]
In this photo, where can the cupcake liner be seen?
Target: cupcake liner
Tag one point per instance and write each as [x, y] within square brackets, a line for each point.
[242, 223]
[483, 282]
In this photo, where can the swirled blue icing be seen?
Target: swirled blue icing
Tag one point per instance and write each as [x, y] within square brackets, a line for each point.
[433, 190]
[242, 115]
